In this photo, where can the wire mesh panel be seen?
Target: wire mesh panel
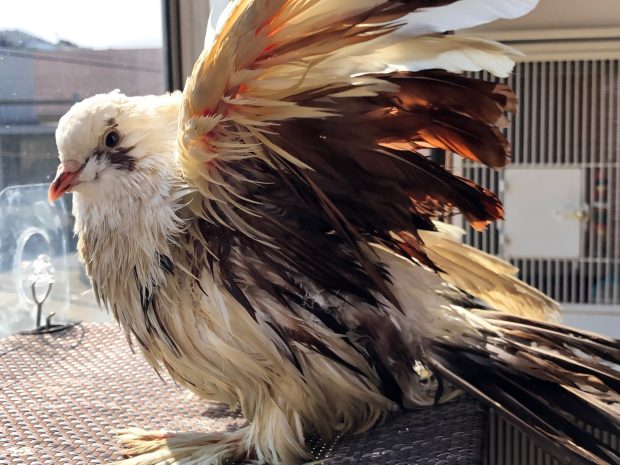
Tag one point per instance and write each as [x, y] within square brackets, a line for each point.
[568, 118]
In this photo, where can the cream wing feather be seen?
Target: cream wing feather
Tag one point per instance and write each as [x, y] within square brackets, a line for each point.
[486, 277]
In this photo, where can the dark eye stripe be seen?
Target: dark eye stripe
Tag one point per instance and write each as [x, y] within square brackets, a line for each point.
[118, 157]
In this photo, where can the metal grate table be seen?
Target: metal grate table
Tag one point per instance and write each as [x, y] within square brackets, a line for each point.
[62, 395]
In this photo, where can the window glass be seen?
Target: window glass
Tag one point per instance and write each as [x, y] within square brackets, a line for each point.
[67, 51]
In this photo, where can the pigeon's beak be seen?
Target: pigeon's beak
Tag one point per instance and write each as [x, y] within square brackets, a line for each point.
[66, 179]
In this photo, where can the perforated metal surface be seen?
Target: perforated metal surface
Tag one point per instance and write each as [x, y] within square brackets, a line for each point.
[62, 395]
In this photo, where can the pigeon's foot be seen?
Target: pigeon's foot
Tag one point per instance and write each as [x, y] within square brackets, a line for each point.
[163, 448]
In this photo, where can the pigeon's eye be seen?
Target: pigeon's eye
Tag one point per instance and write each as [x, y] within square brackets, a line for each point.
[111, 138]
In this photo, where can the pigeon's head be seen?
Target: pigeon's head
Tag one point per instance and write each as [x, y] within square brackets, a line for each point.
[112, 144]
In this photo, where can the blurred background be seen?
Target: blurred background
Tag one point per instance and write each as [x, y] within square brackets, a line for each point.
[561, 192]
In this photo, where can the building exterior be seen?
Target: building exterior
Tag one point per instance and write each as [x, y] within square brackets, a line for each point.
[42, 80]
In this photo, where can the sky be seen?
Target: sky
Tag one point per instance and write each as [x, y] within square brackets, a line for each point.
[88, 23]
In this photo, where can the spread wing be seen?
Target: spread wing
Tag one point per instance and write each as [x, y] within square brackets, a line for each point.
[301, 131]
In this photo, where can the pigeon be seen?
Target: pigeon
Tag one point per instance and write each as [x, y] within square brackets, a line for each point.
[270, 236]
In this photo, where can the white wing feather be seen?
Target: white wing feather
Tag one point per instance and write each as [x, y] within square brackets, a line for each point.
[459, 15]
[466, 13]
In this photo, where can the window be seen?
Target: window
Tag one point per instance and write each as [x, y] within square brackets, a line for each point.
[48, 61]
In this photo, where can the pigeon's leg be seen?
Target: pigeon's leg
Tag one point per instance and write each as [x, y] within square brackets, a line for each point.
[275, 437]
[163, 448]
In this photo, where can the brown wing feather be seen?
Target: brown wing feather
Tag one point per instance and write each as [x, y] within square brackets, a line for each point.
[268, 118]
[443, 110]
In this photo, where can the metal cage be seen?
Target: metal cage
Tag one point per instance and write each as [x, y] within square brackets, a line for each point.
[568, 121]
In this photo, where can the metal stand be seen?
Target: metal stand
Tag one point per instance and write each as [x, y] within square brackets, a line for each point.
[48, 327]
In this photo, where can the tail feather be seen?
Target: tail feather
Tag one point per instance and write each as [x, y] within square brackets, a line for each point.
[543, 377]
[596, 345]
[552, 431]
